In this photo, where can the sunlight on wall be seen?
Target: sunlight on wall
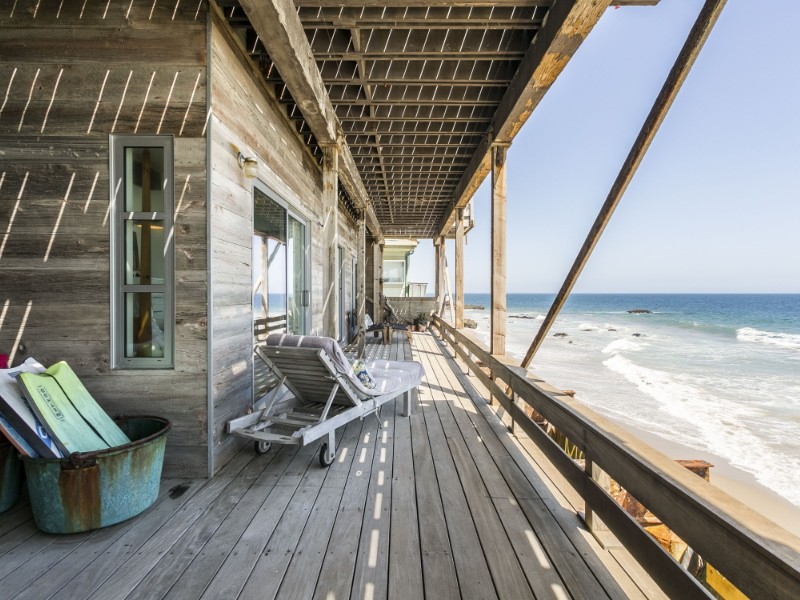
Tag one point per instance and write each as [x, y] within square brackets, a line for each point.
[52, 99]
[13, 213]
[122, 100]
[58, 220]
[28, 103]
[20, 331]
[99, 99]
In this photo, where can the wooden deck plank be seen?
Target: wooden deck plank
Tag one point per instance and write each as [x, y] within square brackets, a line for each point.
[507, 573]
[374, 528]
[405, 565]
[371, 570]
[14, 517]
[572, 548]
[166, 571]
[336, 574]
[156, 548]
[233, 573]
[496, 468]
[197, 576]
[307, 505]
[445, 504]
[438, 566]
[70, 547]
[474, 577]
[304, 569]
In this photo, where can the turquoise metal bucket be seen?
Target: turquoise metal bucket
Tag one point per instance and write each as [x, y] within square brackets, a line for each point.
[90, 490]
[10, 475]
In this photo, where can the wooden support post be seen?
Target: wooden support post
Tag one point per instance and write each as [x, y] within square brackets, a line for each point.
[459, 318]
[361, 278]
[677, 75]
[330, 240]
[437, 277]
[377, 289]
[498, 300]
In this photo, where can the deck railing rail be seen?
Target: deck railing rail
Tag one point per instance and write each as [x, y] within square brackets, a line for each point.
[759, 557]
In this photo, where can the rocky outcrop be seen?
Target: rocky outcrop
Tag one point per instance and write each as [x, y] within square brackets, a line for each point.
[470, 324]
[474, 307]
[640, 311]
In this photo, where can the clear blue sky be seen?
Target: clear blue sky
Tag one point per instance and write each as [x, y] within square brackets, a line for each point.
[715, 205]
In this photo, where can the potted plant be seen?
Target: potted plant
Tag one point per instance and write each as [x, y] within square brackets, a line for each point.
[421, 322]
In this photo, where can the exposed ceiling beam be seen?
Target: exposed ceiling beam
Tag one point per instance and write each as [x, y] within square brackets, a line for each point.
[567, 25]
[277, 24]
[473, 3]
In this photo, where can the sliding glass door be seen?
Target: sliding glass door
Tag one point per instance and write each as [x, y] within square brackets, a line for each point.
[280, 267]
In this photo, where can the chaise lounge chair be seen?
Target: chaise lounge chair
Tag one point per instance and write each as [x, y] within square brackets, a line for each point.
[319, 392]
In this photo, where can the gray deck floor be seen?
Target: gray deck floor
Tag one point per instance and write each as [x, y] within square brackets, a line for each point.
[444, 504]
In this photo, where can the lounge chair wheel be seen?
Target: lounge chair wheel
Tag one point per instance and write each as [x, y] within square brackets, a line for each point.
[262, 447]
[324, 460]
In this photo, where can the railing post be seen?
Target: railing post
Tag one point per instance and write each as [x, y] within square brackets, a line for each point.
[593, 522]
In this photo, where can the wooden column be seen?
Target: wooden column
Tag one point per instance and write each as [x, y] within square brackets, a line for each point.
[498, 299]
[459, 318]
[437, 272]
[377, 289]
[361, 278]
[330, 240]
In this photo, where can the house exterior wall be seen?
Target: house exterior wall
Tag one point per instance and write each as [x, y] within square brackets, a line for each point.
[245, 115]
[73, 73]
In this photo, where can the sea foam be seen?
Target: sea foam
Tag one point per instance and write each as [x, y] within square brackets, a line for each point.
[783, 340]
[701, 419]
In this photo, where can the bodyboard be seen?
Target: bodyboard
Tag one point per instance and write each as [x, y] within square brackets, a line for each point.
[54, 410]
[19, 416]
[13, 436]
[88, 408]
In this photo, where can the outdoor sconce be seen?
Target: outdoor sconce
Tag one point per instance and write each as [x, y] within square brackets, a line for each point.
[249, 164]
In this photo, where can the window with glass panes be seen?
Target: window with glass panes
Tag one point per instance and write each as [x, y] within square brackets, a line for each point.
[142, 243]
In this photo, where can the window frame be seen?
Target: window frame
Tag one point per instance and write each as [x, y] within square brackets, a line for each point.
[118, 217]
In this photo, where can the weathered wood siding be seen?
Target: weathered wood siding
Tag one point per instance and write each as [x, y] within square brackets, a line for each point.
[71, 74]
[245, 114]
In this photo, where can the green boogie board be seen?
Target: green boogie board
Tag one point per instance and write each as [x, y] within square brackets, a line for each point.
[69, 413]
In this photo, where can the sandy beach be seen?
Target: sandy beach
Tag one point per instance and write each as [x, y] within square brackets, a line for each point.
[739, 484]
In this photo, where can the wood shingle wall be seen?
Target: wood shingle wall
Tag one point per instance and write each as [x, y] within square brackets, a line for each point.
[71, 73]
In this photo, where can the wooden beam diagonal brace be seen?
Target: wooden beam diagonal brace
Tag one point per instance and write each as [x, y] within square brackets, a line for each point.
[683, 64]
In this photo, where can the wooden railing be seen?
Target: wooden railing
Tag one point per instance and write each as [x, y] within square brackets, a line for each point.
[759, 557]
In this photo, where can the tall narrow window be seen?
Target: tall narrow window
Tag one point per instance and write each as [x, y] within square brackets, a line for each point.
[142, 255]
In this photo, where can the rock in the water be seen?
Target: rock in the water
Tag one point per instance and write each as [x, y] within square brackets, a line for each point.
[470, 324]
[559, 335]
[474, 307]
[638, 335]
[640, 311]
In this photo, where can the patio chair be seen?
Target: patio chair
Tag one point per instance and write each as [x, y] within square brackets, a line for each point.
[323, 394]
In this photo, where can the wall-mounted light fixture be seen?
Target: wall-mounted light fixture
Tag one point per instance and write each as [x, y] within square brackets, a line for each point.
[249, 164]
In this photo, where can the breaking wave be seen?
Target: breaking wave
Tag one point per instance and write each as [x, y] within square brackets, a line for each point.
[771, 338]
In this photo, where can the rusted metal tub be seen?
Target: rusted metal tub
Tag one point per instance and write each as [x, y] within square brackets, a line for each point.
[10, 475]
[90, 490]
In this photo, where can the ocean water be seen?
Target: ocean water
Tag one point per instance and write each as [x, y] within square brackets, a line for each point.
[718, 373]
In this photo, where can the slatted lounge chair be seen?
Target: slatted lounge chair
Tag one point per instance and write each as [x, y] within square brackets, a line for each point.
[318, 392]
